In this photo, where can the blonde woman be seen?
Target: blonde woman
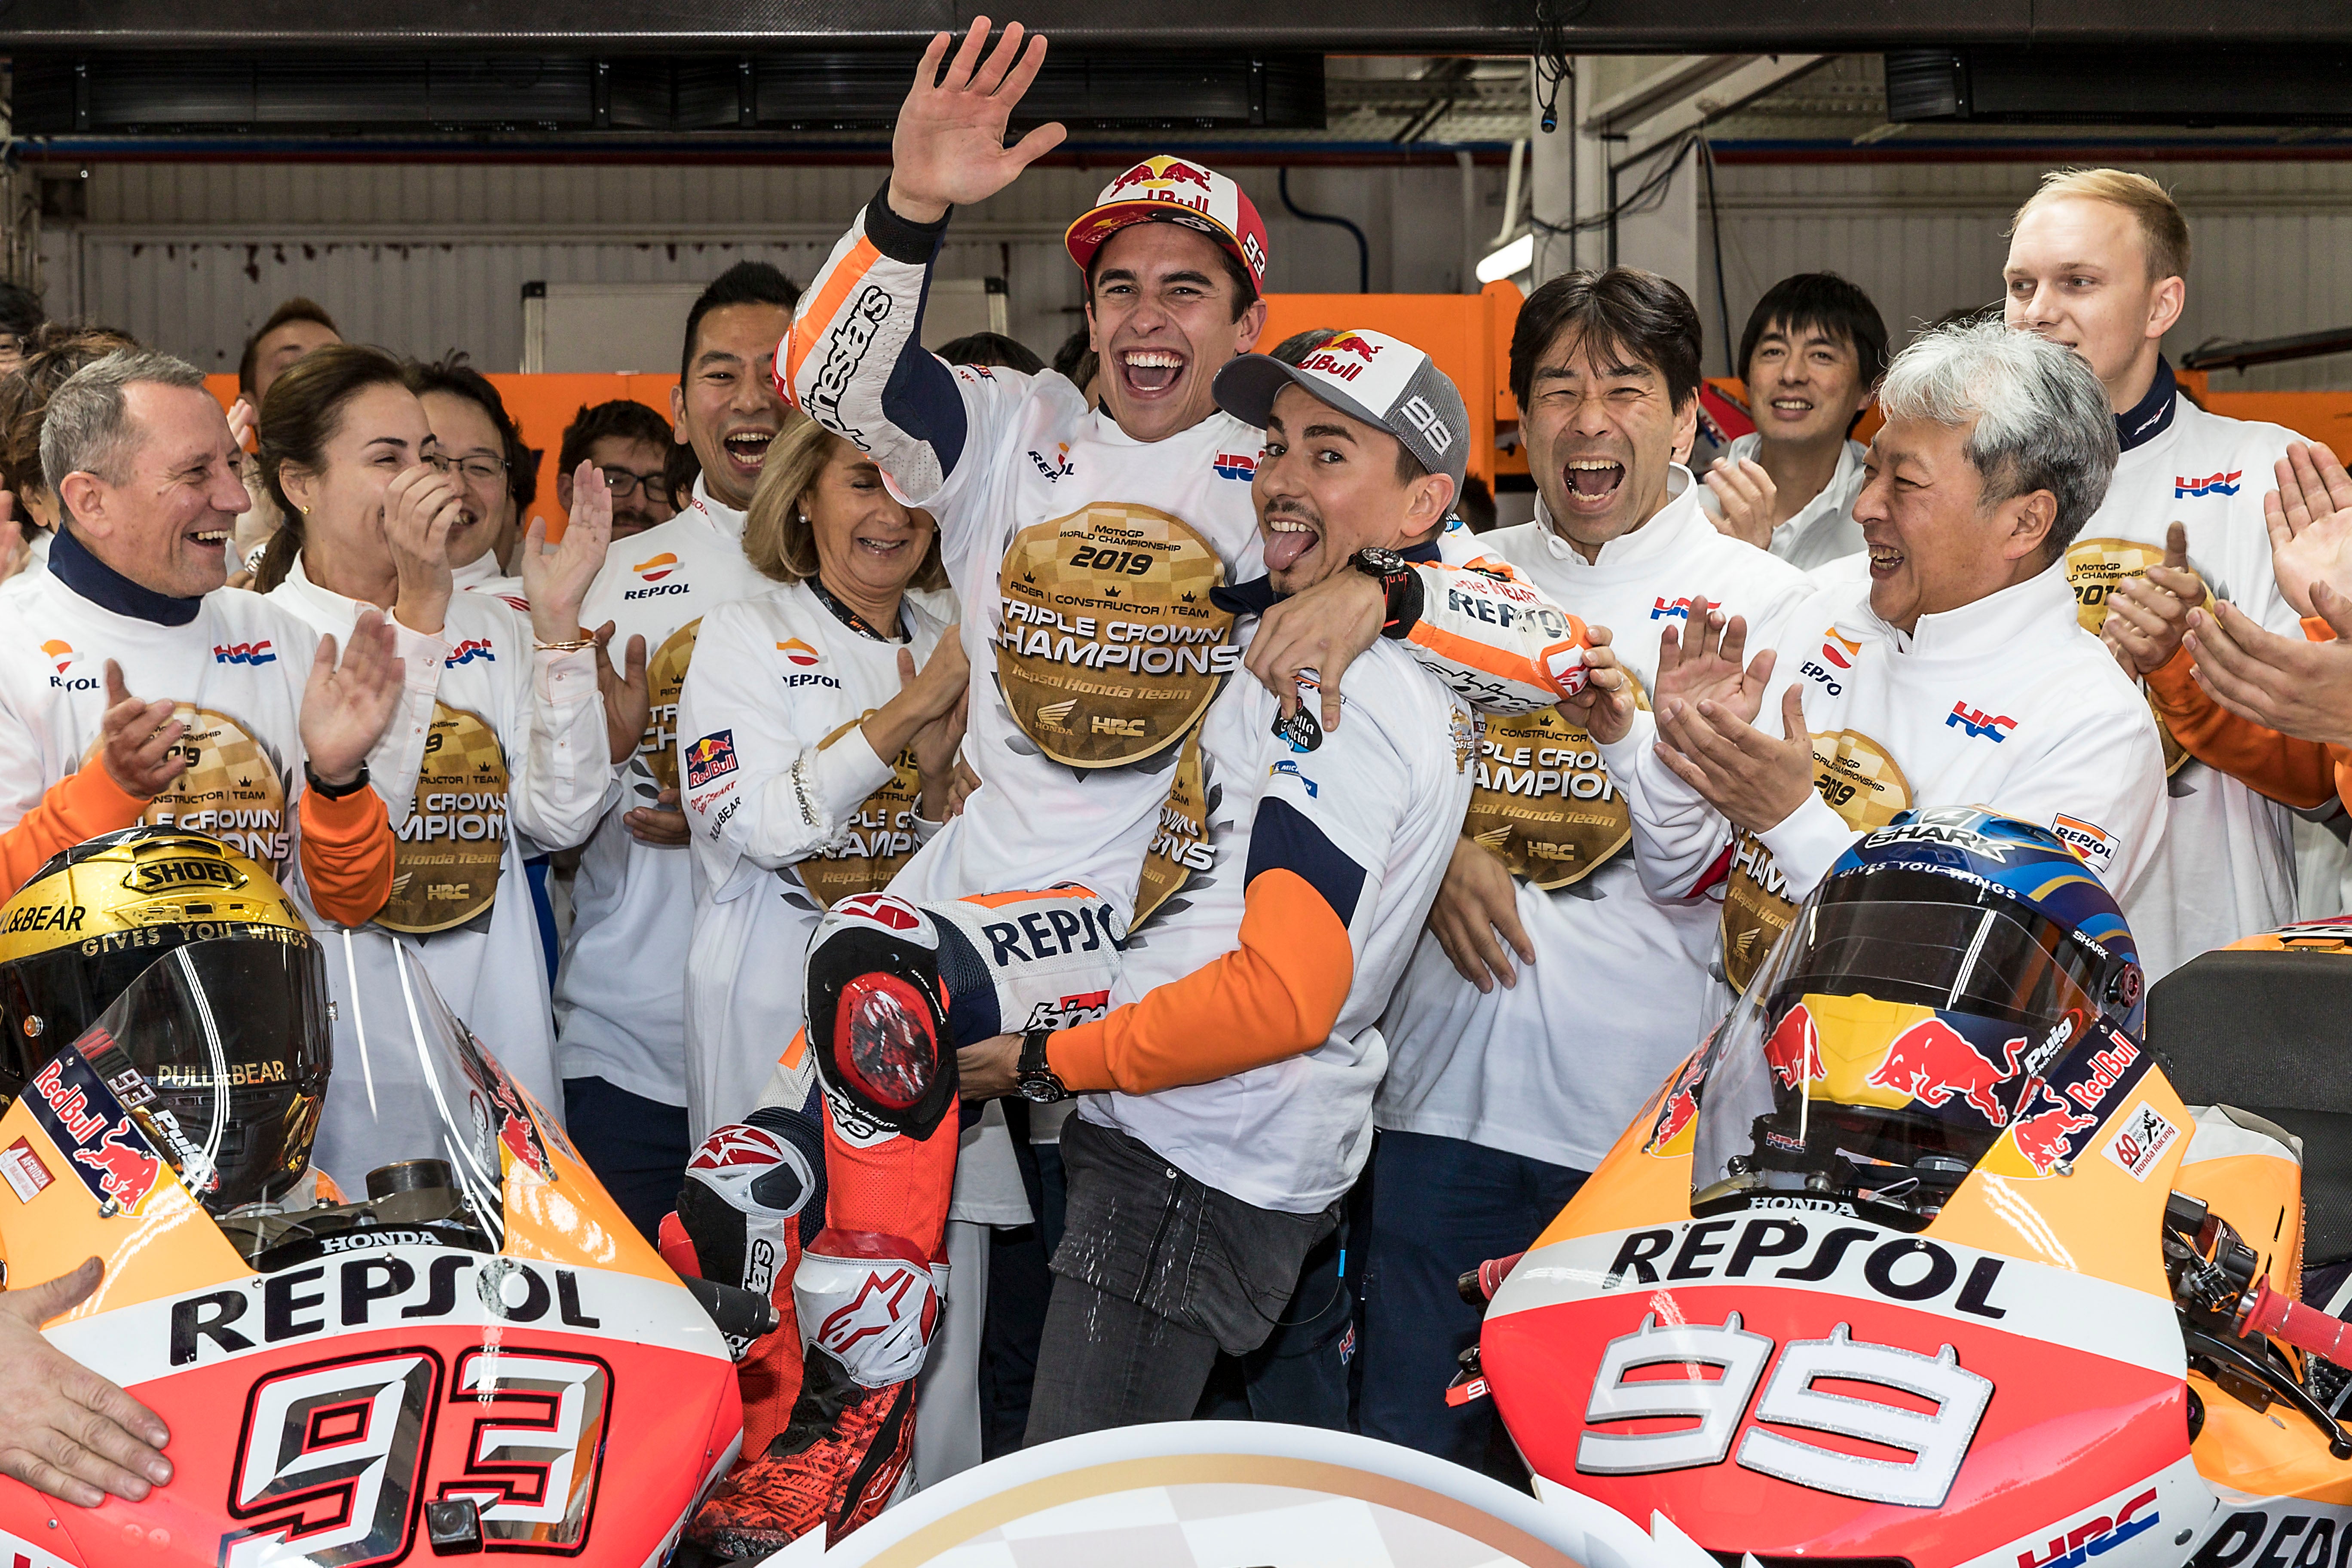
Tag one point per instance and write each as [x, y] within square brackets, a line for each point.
[810, 748]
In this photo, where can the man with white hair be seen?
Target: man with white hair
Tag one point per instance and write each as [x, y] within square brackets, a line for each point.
[1956, 675]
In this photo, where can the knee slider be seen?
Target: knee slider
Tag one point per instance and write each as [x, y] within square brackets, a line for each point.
[876, 1014]
[871, 1302]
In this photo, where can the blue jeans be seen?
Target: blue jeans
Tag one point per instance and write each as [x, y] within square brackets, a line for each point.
[637, 1146]
[1441, 1207]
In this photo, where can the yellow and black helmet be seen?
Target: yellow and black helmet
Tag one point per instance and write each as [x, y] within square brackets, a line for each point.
[168, 951]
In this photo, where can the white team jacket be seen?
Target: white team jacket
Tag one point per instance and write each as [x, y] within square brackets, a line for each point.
[514, 747]
[620, 995]
[2225, 867]
[238, 673]
[1825, 530]
[2006, 703]
[792, 811]
[1554, 1068]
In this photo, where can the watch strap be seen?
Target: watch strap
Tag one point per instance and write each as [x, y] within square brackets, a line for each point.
[335, 792]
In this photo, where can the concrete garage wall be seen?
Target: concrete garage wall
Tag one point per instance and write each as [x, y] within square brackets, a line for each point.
[2272, 246]
[423, 259]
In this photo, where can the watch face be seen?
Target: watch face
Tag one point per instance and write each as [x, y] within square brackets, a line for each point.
[1039, 1091]
[1380, 562]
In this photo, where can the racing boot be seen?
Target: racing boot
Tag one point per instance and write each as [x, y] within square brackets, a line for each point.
[868, 1305]
[742, 1217]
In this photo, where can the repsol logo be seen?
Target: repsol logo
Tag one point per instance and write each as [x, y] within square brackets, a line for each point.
[369, 1292]
[654, 592]
[1050, 933]
[1906, 1269]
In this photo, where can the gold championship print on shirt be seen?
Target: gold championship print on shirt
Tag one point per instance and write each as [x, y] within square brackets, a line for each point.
[447, 856]
[232, 789]
[1110, 647]
[1180, 846]
[665, 679]
[880, 839]
[1544, 804]
[2093, 568]
[1863, 784]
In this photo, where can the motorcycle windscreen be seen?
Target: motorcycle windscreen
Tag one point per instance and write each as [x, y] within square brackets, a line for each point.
[230, 1037]
[1890, 1038]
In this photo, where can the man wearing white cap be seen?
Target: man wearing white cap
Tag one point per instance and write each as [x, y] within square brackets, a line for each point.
[1085, 542]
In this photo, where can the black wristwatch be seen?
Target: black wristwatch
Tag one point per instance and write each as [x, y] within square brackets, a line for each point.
[1399, 581]
[1038, 1084]
[336, 792]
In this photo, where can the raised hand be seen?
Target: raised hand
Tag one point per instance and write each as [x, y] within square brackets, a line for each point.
[949, 145]
[346, 706]
[2147, 616]
[65, 1430]
[420, 506]
[2289, 684]
[1703, 664]
[1746, 495]
[556, 581]
[1743, 772]
[138, 743]
[628, 695]
[242, 421]
[2310, 520]
[1604, 709]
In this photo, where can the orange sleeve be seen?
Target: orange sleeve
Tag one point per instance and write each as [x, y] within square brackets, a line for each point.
[2299, 773]
[1276, 996]
[83, 805]
[346, 855]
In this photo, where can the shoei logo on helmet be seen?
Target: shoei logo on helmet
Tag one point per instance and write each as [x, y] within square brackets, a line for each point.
[183, 872]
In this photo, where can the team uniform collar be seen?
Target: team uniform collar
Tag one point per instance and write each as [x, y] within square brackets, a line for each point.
[722, 517]
[299, 586]
[1255, 596]
[1662, 536]
[2152, 415]
[72, 565]
[1994, 625]
[852, 619]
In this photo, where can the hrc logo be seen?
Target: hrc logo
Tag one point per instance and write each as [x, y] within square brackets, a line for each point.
[1679, 608]
[2211, 485]
[469, 650]
[1235, 466]
[243, 653]
[1977, 723]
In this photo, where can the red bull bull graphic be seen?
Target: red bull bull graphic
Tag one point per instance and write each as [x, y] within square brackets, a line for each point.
[2047, 1134]
[102, 1146]
[1343, 358]
[1933, 1063]
[1794, 1051]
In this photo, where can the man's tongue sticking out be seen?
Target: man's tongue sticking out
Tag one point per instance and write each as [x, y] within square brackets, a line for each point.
[1287, 538]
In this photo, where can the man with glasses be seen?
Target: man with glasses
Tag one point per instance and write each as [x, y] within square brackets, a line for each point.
[630, 442]
[482, 449]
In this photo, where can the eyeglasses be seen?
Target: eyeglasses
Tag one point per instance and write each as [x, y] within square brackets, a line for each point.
[476, 470]
[623, 483]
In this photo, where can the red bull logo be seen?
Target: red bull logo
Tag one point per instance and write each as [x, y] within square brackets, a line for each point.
[127, 1168]
[1164, 172]
[2046, 1136]
[1934, 1064]
[1344, 358]
[1794, 1051]
[711, 757]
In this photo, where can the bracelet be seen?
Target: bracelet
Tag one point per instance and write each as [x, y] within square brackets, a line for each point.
[569, 645]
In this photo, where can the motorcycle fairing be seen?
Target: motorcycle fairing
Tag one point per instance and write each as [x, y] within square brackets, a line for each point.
[2063, 1260]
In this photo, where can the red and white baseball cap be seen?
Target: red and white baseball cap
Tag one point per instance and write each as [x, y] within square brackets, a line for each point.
[1164, 189]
